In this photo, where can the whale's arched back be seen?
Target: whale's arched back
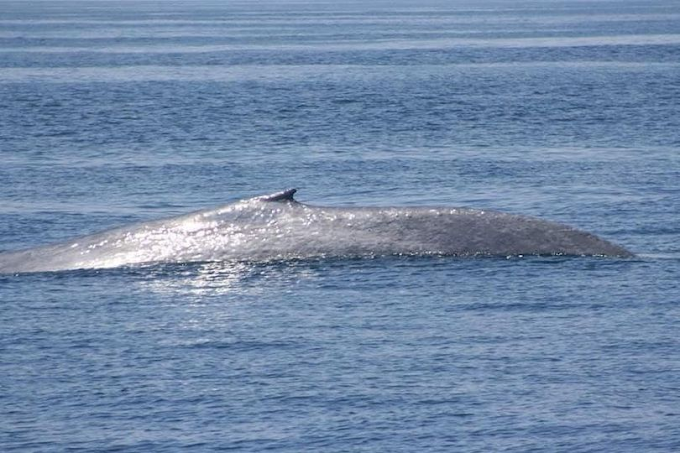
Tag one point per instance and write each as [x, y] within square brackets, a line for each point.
[276, 226]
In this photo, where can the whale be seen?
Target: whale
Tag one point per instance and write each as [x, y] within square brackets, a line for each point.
[278, 227]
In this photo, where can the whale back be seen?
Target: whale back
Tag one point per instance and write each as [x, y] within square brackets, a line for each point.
[278, 227]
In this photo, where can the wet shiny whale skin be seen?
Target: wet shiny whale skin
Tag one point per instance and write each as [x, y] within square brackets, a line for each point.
[275, 227]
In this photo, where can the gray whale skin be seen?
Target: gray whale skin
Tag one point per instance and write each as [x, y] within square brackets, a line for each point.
[276, 227]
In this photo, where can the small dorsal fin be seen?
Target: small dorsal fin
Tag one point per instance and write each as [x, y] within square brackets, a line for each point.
[286, 195]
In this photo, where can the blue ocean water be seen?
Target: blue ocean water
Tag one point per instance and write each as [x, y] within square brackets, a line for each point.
[113, 112]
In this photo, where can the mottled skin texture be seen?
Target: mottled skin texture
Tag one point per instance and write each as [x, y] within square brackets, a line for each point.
[278, 227]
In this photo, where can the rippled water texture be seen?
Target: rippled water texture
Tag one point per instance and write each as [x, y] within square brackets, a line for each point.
[113, 113]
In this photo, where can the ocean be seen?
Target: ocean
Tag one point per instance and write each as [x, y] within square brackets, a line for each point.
[115, 112]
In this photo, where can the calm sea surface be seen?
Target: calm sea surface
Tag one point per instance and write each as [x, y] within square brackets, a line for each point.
[116, 112]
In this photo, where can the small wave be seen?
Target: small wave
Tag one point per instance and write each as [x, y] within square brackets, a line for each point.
[236, 345]
[673, 256]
